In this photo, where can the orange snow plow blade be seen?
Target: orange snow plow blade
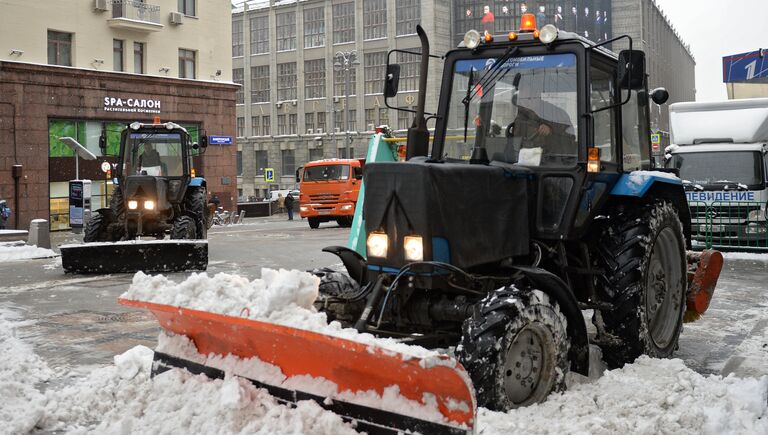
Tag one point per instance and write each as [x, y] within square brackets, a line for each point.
[703, 272]
[356, 368]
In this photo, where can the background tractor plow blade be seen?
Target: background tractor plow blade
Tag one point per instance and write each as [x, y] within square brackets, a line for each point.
[135, 255]
[356, 368]
[703, 272]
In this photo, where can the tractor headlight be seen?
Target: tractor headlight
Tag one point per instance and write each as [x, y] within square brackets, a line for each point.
[149, 205]
[472, 39]
[414, 248]
[377, 245]
[548, 34]
[133, 205]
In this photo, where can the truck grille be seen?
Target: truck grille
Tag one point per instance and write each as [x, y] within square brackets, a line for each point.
[721, 212]
[325, 198]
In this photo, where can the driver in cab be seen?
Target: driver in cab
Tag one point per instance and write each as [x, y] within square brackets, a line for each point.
[149, 161]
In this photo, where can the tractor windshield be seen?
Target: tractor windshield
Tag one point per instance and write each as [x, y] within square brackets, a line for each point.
[156, 154]
[524, 111]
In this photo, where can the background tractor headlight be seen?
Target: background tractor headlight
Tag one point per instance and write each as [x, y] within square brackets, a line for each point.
[149, 205]
[414, 248]
[133, 205]
[377, 245]
[548, 34]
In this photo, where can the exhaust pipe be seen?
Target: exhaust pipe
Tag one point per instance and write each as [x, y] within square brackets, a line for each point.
[418, 134]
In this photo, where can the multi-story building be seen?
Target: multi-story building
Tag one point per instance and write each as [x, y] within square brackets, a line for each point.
[291, 107]
[82, 67]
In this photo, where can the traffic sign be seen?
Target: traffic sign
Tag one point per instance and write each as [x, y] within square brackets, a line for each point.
[655, 141]
[105, 167]
[269, 175]
[220, 140]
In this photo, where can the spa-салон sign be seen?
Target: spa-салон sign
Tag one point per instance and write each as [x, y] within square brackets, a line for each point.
[131, 105]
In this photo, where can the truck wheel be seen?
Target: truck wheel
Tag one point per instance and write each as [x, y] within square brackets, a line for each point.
[344, 222]
[314, 222]
[97, 228]
[184, 228]
[643, 255]
[515, 348]
[195, 206]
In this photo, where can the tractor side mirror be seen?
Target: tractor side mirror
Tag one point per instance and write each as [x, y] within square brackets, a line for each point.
[103, 143]
[203, 140]
[631, 70]
[659, 96]
[392, 80]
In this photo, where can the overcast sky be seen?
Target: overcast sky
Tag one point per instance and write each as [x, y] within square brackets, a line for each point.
[715, 29]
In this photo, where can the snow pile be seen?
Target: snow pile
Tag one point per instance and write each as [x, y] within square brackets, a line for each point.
[284, 297]
[21, 405]
[15, 252]
[639, 178]
[746, 256]
[649, 396]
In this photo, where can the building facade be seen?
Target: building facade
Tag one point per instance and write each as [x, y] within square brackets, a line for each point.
[84, 67]
[292, 104]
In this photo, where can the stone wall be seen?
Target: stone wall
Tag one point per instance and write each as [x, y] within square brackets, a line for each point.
[31, 94]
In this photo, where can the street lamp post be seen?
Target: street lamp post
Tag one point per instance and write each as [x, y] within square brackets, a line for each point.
[345, 62]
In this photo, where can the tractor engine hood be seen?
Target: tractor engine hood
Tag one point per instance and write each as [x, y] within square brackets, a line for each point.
[145, 187]
[466, 215]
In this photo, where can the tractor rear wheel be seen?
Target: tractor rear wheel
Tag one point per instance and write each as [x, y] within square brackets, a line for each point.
[195, 206]
[97, 228]
[314, 222]
[643, 254]
[184, 228]
[515, 348]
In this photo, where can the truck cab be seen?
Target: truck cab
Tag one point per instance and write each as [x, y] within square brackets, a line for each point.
[329, 190]
[721, 152]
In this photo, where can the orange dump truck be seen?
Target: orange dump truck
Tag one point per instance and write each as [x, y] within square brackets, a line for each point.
[329, 190]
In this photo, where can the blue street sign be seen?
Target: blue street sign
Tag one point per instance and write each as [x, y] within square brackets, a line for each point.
[745, 66]
[220, 140]
[269, 175]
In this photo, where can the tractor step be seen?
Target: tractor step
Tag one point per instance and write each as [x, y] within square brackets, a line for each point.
[135, 255]
[434, 393]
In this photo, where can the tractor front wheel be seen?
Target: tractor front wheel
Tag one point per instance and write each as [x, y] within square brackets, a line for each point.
[97, 228]
[643, 254]
[515, 348]
[184, 228]
[195, 207]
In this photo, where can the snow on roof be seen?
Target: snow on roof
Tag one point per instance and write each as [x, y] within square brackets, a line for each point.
[717, 147]
[738, 121]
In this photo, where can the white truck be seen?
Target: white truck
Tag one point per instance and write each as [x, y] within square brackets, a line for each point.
[721, 151]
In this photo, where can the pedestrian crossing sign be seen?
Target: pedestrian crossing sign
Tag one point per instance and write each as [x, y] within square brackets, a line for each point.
[269, 175]
[656, 139]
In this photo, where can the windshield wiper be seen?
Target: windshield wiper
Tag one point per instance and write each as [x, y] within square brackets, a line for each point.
[728, 183]
[467, 99]
[694, 186]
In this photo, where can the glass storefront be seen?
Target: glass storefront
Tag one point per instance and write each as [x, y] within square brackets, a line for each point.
[62, 163]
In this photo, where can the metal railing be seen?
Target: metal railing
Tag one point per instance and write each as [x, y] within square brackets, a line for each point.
[729, 225]
[136, 10]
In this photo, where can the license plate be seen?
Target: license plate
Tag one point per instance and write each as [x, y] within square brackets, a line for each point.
[712, 228]
[324, 212]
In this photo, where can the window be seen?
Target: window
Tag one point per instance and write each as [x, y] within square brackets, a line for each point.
[314, 27]
[59, 48]
[186, 64]
[281, 130]
[374, 19]
[237, 38]
[602, 92]
[343, 153]
[375, 70]
[286, 31]
[635, 132]
[289, 163]
[409, 71]
[343, 23]
[117, 54]
[240, 127]
[404, 120]
[262, 161]
[321, 122]
[408, 15]
[315, 154]
[265, 126]
[255, 125]
[237, 77]
[352, 120]
[314, 78]
[309, 121]
[339, 82]
[260, 84]
[383, 116]
[292, 123]
[138, 57]
[187, 7]
[259, 35]
[286, 81]
[370, 119]
[239, 163]
[338, 121]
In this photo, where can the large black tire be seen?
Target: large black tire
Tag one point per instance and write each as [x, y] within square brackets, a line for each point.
[515, 348]
[642, 251]
[314, 222]
[195, 207]
[97, 228]
[344, 221]
[117, 205]
[184, 228]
